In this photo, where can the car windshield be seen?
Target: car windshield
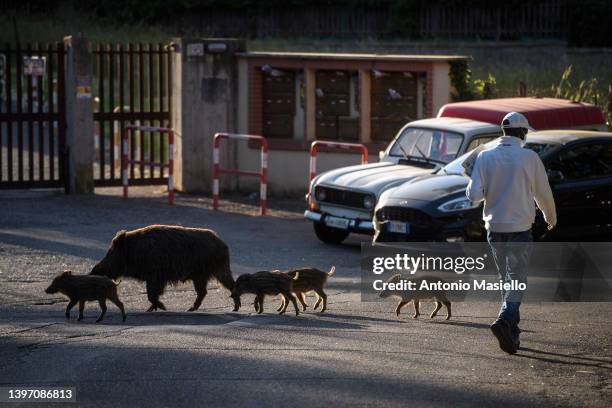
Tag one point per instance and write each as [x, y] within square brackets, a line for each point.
[455, 167]
[430, 144]
[541, 149]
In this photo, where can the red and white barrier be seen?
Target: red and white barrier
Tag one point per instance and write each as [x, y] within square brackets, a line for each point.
[169, 165]
[262, 174]
[356, 147]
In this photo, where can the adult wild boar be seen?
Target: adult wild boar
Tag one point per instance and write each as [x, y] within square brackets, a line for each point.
[162, 254]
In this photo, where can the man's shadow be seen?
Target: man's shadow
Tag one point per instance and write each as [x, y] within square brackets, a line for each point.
[463, 323]
[584, 361]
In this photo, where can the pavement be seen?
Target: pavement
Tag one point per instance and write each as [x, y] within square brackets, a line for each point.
[355, 354]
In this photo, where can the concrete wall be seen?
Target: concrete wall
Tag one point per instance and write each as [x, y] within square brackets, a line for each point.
[204, 102]
[441, 85]
[79, 115]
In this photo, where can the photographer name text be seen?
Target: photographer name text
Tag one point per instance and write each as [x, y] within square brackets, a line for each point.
[433, 285]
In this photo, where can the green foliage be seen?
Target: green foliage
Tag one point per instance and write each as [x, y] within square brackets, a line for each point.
[485, 88]
[460, 76]
[466, 89]
[584, 91]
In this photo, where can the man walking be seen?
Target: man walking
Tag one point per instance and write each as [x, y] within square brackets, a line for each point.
[509, 178]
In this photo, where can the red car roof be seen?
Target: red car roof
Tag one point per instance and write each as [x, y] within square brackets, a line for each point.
[542, 113]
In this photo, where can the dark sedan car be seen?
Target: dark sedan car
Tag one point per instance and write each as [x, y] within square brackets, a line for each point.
[434, 207]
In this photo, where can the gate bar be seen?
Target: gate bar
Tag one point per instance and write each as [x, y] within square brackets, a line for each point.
[357, 147]
[262, 174]
[126, 157]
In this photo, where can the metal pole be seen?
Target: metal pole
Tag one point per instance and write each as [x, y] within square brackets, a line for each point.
[216, 170]
[264, 177]
[170, 167]
[124, 171]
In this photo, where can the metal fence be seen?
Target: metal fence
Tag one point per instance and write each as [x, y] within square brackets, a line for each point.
[497, 21]
[494, 21]
[32, 116]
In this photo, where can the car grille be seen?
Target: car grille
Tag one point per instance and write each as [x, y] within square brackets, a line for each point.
[409, 215]
[342, 197]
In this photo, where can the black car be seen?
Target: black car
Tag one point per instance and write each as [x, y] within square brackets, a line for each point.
[434, 207]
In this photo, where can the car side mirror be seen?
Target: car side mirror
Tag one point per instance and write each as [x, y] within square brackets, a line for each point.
[555, 176]
[381, 154]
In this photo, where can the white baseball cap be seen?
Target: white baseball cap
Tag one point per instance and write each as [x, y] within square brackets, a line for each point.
[515, 120]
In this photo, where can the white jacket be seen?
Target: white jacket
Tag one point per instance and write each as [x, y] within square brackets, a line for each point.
[508, 178]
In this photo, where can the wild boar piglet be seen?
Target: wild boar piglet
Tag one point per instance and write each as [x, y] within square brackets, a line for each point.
[309, 279]
[83, 288]
[414, 296]
[265, 283]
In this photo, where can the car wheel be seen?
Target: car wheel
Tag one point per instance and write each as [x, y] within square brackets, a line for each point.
[329, 235]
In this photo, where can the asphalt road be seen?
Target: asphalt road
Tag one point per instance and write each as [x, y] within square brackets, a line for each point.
[356, 354]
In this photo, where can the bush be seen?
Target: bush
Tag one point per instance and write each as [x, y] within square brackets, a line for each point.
[485, 88]
[460, 77]
[585, 91]
[466, 89]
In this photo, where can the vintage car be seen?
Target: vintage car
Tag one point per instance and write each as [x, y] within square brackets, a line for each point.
[434, 207]
[342, 201]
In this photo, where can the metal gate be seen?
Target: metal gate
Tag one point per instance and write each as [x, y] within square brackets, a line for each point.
[132, 85]
[32, 116]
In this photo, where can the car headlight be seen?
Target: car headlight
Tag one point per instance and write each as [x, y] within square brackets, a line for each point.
[458, 204]
[312, 203]
[368, 202]
[320, 194]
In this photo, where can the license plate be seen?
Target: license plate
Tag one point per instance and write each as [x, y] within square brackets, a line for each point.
[398, 227]
[335, 222]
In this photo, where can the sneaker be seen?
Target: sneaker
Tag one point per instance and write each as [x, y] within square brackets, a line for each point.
[501, 331]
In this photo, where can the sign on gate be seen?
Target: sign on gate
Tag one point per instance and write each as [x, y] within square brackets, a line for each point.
[34, 66]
